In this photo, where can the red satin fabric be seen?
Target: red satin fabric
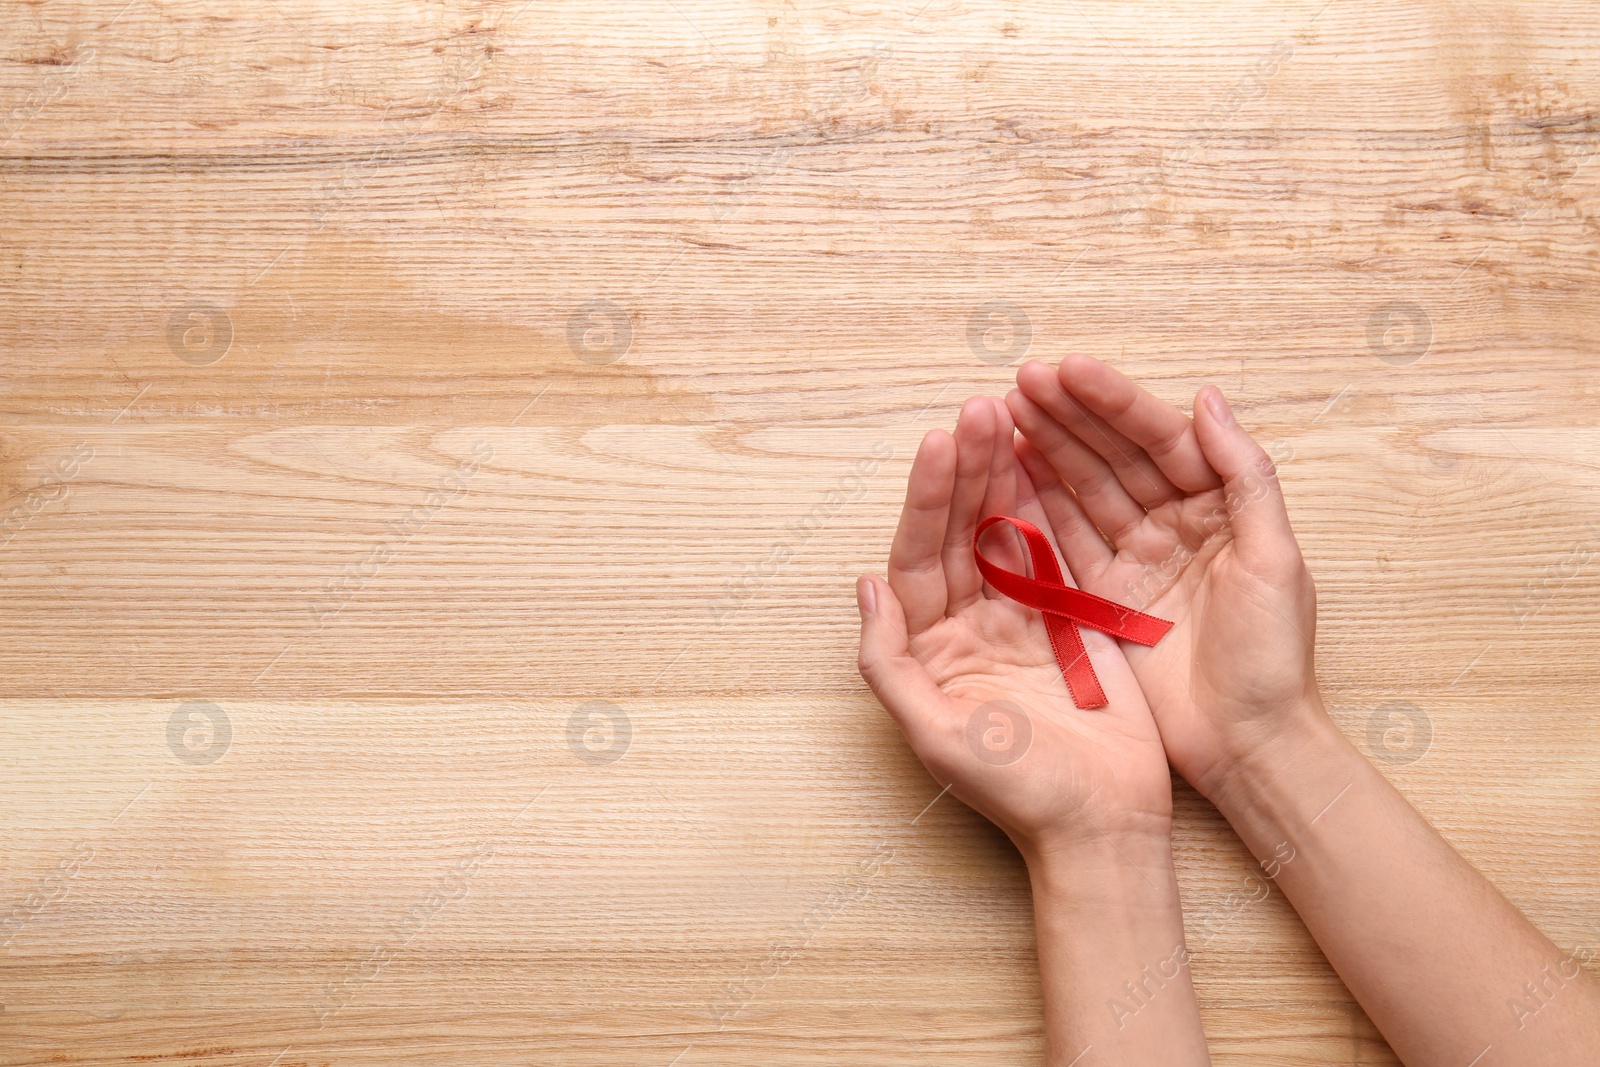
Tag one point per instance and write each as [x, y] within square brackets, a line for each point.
[1064, 608]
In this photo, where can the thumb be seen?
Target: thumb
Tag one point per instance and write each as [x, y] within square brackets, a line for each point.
[897, 678]
[1250, 480]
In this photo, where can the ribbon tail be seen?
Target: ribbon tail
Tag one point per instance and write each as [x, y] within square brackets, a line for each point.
[1076, 670]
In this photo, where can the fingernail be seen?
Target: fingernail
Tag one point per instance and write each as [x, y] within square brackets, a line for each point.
[866, 597]
[1219, 407]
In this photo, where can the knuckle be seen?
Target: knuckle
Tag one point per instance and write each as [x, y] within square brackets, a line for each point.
[1168, 443]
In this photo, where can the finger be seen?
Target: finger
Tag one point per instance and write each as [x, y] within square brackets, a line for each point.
[1000, 496]
[1030, 508]
[1254, 500]
[1164, 433]
[974, 454]
[916, 563]
[1136, 471]
[895, 675]
[1028, 505]
[1081, 545]
[1081, 469]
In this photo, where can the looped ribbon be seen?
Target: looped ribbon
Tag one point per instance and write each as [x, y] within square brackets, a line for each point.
[1065, 608]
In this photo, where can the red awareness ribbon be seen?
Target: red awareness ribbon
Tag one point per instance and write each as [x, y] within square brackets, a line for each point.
[1064, 609]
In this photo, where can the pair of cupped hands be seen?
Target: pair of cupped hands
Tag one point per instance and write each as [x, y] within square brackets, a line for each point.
[1178, 517]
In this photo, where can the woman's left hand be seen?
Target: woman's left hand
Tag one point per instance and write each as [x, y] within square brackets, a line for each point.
[972, 679]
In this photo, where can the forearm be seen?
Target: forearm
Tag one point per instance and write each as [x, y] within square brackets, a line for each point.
[1449, 971]
[1112, 959]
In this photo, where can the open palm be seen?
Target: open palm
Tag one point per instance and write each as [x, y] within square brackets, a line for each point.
[971, 677]
[1183, 520]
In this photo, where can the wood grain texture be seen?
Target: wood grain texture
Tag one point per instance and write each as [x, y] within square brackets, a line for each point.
[394, 382]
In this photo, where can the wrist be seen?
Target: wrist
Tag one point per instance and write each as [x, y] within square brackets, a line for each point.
[1139, 826]
[1112, 958]
[1111, 870]
[1280, 790]
[1259, 758]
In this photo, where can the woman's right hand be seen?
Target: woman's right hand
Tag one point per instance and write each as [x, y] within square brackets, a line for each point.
[1184, 520]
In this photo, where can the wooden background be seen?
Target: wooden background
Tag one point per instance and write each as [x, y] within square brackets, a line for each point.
[387, 384]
